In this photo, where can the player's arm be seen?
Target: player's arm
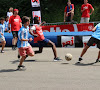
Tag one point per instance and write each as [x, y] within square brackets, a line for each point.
[9, 30]
[20, 24]
[42, 23]
[92, 10]
[64, 16]
[93, 30]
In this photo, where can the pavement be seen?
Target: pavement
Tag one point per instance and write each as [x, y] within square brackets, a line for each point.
[42, 73]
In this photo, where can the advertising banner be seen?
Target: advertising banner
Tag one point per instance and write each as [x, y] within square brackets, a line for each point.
[68, 28]
[86, 39]
[67, 41]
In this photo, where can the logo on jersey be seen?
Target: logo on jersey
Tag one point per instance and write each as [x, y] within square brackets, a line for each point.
[16, 20]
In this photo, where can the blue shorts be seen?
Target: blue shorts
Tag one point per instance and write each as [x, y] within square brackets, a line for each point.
[43, 43]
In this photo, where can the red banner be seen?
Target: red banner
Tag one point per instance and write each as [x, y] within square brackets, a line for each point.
[68, 28]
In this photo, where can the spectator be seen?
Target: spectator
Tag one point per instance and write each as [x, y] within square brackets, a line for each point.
[6, 22]
[69, 12]
[85, 10]
[2, 38]
[10, 13]
[15, 23]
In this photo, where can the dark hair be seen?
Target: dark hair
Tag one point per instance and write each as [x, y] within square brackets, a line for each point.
[6, 17]
[2, 18]
[35, 20]
[25, 19]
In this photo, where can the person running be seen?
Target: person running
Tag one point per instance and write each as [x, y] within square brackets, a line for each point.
[15, 23]
[23, 45]
[2, 38]
[85, 10]
[95, 38]
[39, 38]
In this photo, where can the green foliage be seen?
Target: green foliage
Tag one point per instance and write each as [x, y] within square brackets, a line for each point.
[52, 10]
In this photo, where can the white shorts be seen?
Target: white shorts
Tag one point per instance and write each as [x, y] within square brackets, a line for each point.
[84, 20]
[2, 39]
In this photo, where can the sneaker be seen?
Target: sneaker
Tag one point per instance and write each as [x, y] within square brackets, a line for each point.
[13, 47]
[2, 51]
[57, 59]
[20, 67]
[97, 61]
[79, 60]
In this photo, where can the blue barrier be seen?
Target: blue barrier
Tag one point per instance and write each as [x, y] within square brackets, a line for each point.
[50, 35]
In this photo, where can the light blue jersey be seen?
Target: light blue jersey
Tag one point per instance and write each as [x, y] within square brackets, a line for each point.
[2, 29]
[6, 24]
[23, 34]
[96, 34]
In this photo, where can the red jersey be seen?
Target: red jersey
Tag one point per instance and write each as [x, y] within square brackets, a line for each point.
[67, 9]
[15, 22]
[87, 10]
[39, 32]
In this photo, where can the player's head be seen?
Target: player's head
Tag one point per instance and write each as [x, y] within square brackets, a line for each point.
[36, 20]
[69, 2]
[2, 20]
[26, 20]
[7, 18]
[10, 9]
[85, 1]
[16, 12]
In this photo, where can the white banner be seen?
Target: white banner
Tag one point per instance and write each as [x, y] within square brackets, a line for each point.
[36, 14]
[67, 41]
[35, 3]
[85, 41]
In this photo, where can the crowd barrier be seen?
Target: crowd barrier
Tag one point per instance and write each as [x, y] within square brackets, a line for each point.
[59, 38]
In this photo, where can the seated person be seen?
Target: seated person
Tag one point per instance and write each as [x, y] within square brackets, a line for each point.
[69, 12]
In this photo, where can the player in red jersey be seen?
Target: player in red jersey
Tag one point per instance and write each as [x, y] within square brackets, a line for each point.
[69, 12]
[85, 10]
[39, 38]
[15, 22]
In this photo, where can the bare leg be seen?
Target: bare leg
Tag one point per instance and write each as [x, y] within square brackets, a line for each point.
[84, 50]
[72, 15]
[39, 51]
[98, 55]
[3, 45]
[53, 48]
[14, 41]
[22, 60]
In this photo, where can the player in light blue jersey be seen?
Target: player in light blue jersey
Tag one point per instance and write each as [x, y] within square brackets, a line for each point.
[23, 44]
[95, 39]
[2, 38]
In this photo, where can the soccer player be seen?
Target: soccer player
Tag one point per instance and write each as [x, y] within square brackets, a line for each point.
[15, 23]
[2, 38]
[95, 38]
[23, 44]
[85, 10]
[39, 38]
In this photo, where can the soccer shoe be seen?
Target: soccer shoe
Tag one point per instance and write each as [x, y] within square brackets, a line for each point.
[79, 60]
[20, 67]
[2, 51]
[57, 59]
[97, 61]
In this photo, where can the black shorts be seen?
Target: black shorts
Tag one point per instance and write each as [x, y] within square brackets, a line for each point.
[15, 34]
[92, 41]
[68, 19]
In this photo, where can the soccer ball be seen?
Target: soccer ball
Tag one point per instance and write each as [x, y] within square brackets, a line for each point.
[68, 57]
